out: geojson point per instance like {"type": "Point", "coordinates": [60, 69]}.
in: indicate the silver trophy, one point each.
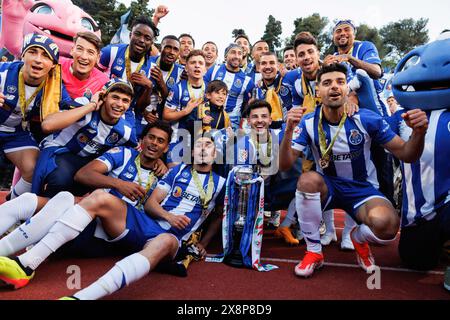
{"type": "Point", "coordinates": [243, 181]}
{"type": "Point", "coordinates": [243, 178]}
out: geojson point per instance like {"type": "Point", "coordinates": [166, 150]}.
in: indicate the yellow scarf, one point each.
{"type": "Point", "coordinates": [52, 93]}
{"type": "Point", "coordinates": [310, 101]}
{"type": "Point", "coordinates": [205, 109]}
{"type": "Point", "coordinates": [275, 102]}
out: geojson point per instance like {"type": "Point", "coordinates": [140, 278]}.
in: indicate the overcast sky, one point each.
{"type": "Point", "coordinates": [214, 20]}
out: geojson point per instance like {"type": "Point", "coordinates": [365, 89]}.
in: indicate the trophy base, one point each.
{"type": "Point", "coordinates": [235, 259]}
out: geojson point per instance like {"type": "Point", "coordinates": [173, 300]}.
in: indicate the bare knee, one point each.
{"type": "Point", "coordinates": [163, 246]}
{"type": "Point", "coordinates": [96, 201]}
{"type": "Point", "coordinates": [311, 182]}
{"type": "Point", "coordinates": [384, 223]}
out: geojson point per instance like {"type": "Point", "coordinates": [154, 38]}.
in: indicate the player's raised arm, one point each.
{"type": "Point", "coordinates": [288, 155]}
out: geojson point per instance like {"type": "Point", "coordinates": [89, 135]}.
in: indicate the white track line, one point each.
{"type": "Point", "coordinates": [353, 266]}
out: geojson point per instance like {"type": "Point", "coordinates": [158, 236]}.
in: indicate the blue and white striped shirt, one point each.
{"type": "Point", "coordinates": [121, 164]}
{"type": "Point", "coordinates": [351, 157]}
{"type": "Point", "coordinates": [91, 137]}
{"type": "Point", "coordinates": [426, 183]}
{"type": "Point", "coordinates": [240, 88]}
{"type": "Point", "coordinates": [183, 198]}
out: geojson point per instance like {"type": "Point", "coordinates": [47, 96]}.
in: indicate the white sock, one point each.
{"type": "Point", "coordinates": [328, 218]}
{"type": "Point", "coordinates": [38, 226]}
{"type": "Point", "coordinates": [19, 209]}
{"type": "Point", "coordinates": [309, 210]}
{"type": "Point", "coordinates": [363, 234]}
{"type": "Point", "coordinates": [124, 273]}
{"type": "Point", "coordinates": [349, 224]}
{"type": "Point", "coordinates": [289, 220]}
{"type": "Point", "coordinates": [20, 188]}
{"type": "Point", "coordinates": [67, 228]}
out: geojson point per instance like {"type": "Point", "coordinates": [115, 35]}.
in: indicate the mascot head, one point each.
{"type": "Point", "coordinates": [422, 78]}
{"type": "Point", "coordinates": [60, 20]}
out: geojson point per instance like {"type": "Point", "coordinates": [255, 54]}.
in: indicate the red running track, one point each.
{"type": "Point", "coordinates": [340, 279]}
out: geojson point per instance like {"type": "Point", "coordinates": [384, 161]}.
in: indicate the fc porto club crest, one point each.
{"type": "Point", "coordinates": [284, 91]}
{"type": "Point", "coordinates": [355, 137]}
{"type": "Point", "coordinates": [120, 62]}
{"type": "Point", "coordinates": [113, 138]}
{"type": "Point", "coordinates": [238, 83]}
{"type": "Point", "coordinates": [171, 82]}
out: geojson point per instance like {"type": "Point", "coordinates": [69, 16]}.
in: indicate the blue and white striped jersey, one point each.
{"type": "Point", "coordinates": [293, 81]}
{"type": "Point", "coordinates": [121, 164]}
{"type": "Point", "coordinates": [426, 183]}
{"type": "Point", "coordinates": [239, 85]}
{"type": "Point", "coordinates": [112, 59]}
{"type": "Point", "coordinates": [283, 93]}
{"type": "Point", "coordinates": [178, 99]}
{"type": "Point", "coordinates": [10, 113]}
{"type": "Point", "coordinates": [351, 157]}
{"type": "Point", "coordinates": [183, 198]}
{"type": "Point", "coordinates": [91, 137]}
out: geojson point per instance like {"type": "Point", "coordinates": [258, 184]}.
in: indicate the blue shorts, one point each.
{"type": "Point", "coordinates": [349, 195]}
{"type": "Point", "coordinates": [141, 229]}
{"type": "Point", "coordinates": [17, 141]}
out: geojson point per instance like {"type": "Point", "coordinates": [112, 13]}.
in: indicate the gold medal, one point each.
{"type": "Point", "coordinates": [25, 126]}
{"type": "Point", "coordinates": [23, 101]}
{"type": "Point", "coordinates": [324, 163]}
{"type": "Point", "coordinates": [324, 150]}
{"type": "Point", "coordinates": [205, 197]}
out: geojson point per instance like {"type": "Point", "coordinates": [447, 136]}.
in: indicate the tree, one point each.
{"type": "Point", "coordinates": [315, 24]}
{"type": "Point", "coordinates": [273, 33]}
{"type": "Point", "coordinates": [107, 14]}
{"type": "Point", "coordinates": [403, 36]}
{"type": "Point", "coordinates": [238, 32]}
{"type": "Point", "coordinates": [366, 33]}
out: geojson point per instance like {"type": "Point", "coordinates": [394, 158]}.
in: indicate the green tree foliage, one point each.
{"type": "Point", "coordinates": [402, 36]}
{"type": "Point", "coordinates": [273, 33]}
{"type": "Point", "coordinates": [367, 33]}
{"type": "Point", "coordinates": [107, 13]}
{"type": "Point", "coordinates": [316, 25]}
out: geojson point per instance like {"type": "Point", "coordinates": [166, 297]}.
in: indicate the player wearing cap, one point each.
{"type": "Point", "coordinates": [30, 90]}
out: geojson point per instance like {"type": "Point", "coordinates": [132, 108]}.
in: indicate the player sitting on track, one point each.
{"type": "Point", "coordinates": [187, 194]}
{"type": "Point", "coordinates": [346, 176]}
{"type": "Point", "coordinates": [125, 173]}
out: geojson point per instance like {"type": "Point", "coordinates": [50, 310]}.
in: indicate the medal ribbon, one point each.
{"type": "Point", "coordinates": [324, 150]}
{"type": "Point", "coordinates": [259, 149]}
{"type": "Point", "coordinates": [128, 63]}
{"type": "Point", "coordinates": [191, 91]}
{"type": "Point", "coordinates": [150, 180]}
{"type": "Point", "coordinates": [158, 63]}
{"type": "Point", "coordinates": [23, 102]}
{"type": "Point", "coordinates": [205, 197]}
